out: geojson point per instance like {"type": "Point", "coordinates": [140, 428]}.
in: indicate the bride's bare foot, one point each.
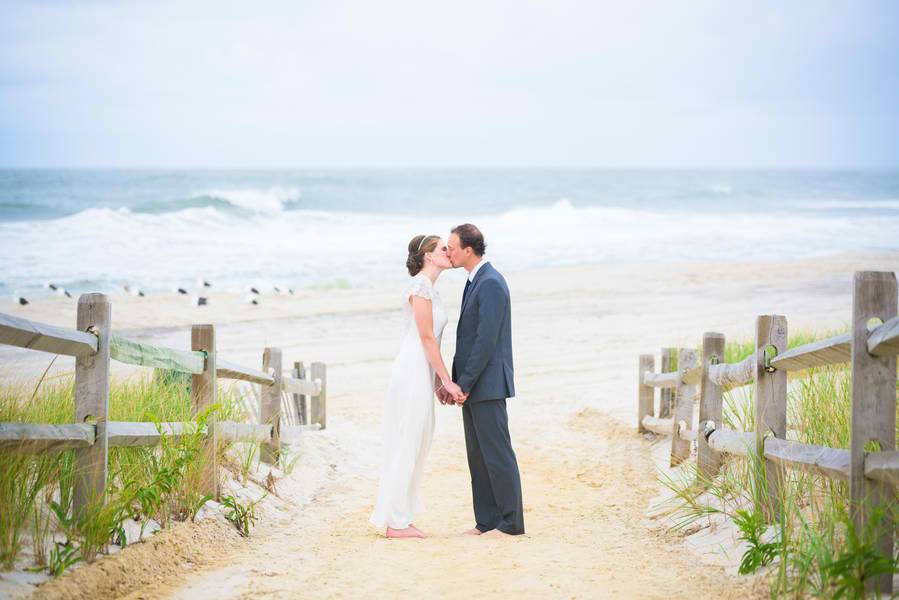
{"type": "Point", "coordinates": [496, 533]}
{"type": "Point", "coordinates": [412, 526]}
{"type": "Point", "coordinates": [408, 532]}
{"type": "Point", "coordinates": [473, 531]}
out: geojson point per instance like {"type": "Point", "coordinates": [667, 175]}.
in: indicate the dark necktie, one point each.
{"type": "Point", "coordinates": [465, 291]}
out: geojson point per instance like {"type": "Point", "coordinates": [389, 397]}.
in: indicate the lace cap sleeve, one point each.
{"type": "Point", "coordinates": [421, 287]}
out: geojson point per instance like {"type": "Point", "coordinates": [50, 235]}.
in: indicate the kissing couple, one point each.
{"type": "Point", "coordinates": [482, 380]}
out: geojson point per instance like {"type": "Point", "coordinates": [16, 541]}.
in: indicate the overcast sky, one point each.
{"type": "Point", "coordinates": [384, 83]}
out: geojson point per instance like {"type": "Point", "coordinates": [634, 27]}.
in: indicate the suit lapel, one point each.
{"type": "Point", "coordinates": [474, 286]}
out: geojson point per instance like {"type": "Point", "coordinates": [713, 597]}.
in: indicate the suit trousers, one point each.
{"type": "Point", "coordinates": [495, 480]}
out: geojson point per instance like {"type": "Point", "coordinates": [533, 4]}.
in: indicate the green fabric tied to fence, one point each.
{"type": "Point", "coordinates": [134, 353]}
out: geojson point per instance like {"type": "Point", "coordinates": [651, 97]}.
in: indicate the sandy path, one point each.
{"type": "Point", "coordinates": [586, 536]}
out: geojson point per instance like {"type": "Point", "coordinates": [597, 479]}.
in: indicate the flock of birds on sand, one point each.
{"type": "Point", "coordinates": [252, 297]}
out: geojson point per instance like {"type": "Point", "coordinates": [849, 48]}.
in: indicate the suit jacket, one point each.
{"type": "Point", "coordinates": [482, 366]}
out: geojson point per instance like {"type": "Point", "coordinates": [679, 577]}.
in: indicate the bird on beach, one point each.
{"type": "Point", "coordinates": [133, 291]}
{"type": "Point", "coordinates": [203, 283]}
{"type": "Point", "coordinates": [60, 291]}
{"type": "Point", "coordinates": [200, 301]}
{"type": "Point", "coordinates": [283, 289]}
{"type": "Point", "coordinates": [250, 299]}
{"type": "Point", "coordinates": [21, 301]}
{"type": "Point", "coordinates": [181, 291]}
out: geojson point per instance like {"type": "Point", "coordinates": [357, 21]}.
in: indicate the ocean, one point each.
{"type": "Point", "coordinates": [97, 230]}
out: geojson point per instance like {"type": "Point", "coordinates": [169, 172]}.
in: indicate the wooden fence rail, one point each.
{"type": "Point", "coordinates": [870, 348]}
{"type": "Point", "coordinates": [92, 434]}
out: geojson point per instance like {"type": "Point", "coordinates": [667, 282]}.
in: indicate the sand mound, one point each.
{"type": "Point", "coordinates": [182, 548]}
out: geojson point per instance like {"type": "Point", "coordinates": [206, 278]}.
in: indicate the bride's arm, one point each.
{"type": "Point", "coordinates": [424, 322]}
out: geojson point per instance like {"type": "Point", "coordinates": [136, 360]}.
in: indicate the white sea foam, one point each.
{"type": "Point", "coordinates": [271, 200]}
{"type": "Point", "coordinates": [721, 188]}
{"type": "Point", "coordinates": [101, 248]}
{"type": "Point", "coordinates": [851, 205]}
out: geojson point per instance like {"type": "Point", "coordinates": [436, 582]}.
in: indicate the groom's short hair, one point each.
{"type": "Point", "coordinates": [470, 237]}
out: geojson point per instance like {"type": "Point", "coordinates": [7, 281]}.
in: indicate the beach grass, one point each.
{"type": "Point", "coordinates": [161, 483]}
{"type": "Point", "coordinates": [813, 548]}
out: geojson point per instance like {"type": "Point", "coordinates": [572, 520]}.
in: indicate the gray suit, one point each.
{"type": "Point", "coordinates": [482, 367]}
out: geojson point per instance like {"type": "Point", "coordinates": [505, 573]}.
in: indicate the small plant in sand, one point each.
{"type": "Point", "coordinates": [242, 516]}
{"type": "Point", "coordinates": [249, 460]}
{"type": "Point", "coordinates": [96, 526]}
{"type": "Point", "coordinates": [858, 560]}
{"type": "Point", "coordinates": [752, 527]}
{"type": "Point", "coordinates": [289, 461]}
{"type": "Point", "coordinates": [157, 487]}
{"type": "Point", "coordinates": [40, 533]}
{"type": "Point", "coordinates": [62, 556]}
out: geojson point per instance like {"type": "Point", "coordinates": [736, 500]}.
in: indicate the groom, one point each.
{"type": "Point", "coordinates": [482, 367]}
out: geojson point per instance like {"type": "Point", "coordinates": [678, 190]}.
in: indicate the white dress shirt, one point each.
{"type": "Point", "coordinates": [474, 271]}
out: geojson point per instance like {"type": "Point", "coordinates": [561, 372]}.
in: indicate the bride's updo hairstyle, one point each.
{"type": "Point", "coordinates": [418, 247]}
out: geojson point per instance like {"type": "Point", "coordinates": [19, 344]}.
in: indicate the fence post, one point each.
{"type": "Point", "coordinates": [770, 395]}
{"type": "Point", "coordinates": [203, 388]}
{"type": "Point", "coordinates": [320, 403]}
{"type": "Point", "coordinates": [92, 401]}
{"type": "Point", "coordinates": [666, 394]}
{"type": "Point", "coordinates": [299, 400]}
{"type": "Point", "coordinates": [873, 412]}
{"type": "Point", "coordinates": [683, 406]}
{"type": "Point", "coordinates": [708, 460]}
{"type": "Point", "coordinates": [644, 392]}
{"type": "Point", "coordinates": [270, 410]}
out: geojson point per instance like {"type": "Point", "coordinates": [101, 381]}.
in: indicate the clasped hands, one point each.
{"type": "Point", "coordinates": [450, 393]}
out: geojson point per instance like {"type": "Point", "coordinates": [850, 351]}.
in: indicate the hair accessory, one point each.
{"type": "Point", "coordinates": [421, 243]}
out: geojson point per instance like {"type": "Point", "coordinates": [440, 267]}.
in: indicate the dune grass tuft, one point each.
{"type": "Point", "coordinates": [160, 483]}
{"type": "Point", "coordinates": [813, 549]}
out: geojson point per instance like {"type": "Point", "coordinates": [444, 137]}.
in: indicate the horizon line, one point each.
{"type": "Point", "coordinates": [884, 167]}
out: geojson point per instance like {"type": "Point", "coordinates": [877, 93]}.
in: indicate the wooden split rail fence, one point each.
{"type": "Point", "coordinates": [93, 345]}
{"type": "Point", "coordinates": [870, 465]}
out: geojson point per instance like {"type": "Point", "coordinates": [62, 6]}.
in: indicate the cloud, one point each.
{"type": "Point", "coordinates": [465, 83]}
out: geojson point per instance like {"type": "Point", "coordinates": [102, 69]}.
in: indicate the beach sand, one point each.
{"type": "Point", "coordinates": [589, 481]}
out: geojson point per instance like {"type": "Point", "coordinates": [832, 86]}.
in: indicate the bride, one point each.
{"type": "Point", "coordinates": [408, 425]}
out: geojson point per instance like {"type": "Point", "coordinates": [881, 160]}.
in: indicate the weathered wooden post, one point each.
{"type": "Point", "coordinates": [874, 296]}
{"type": "Point", "coordinates": [203, 389]}
{"type": "Point", "coordinates": [299, 400]}
{"type": "Point", "coordinates": [270, 410]}
{"type": "Point", "coordinates": [92, 401]}
{"type": "Point", "coordinates": [320, 403]}
{"type": "Point", "coordinates": [666, 394]}
{"type": "Point", "coordinates": [644, 392]}
{"type": "Point", "coordinates": [708, 460]}
{"type": "Point", "coordinates": [770, 394]}
{"type": "Point", "coordinates": [683, 406]}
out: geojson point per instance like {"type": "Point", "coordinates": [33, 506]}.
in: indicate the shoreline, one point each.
{"type": "Point", "coordinates": [141, 314]}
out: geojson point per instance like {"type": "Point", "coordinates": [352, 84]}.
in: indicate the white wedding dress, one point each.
{"type": "Point", "coordinates": [408, 422]}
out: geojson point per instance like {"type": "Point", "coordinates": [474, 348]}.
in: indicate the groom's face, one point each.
{"type": "Point", "coordinates": [454, 251]}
